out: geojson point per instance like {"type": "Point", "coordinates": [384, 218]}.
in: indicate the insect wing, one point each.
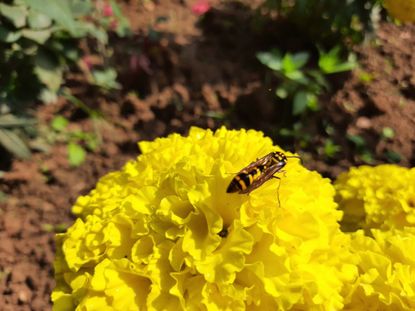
{"type": "Point", "coordinates": [265, 176]}
{"type": "Point", "coordinates": [238, 184]}
{"type": "Point", "coordinates": [260, 162]}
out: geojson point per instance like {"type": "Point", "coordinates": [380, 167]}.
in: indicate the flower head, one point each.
{"type": "Point", "coordinates": [403, 10]}
{"type": "Point", "coordinates": [387, 270]}
{"type": "Point", "coordinates": [201, 7]}
{"type": "Point", "coordinates": [163, 234]}
{"type": "Point", "coordinates": [107, 10]}
{"type": "Point", "coordinates": [377, 197]}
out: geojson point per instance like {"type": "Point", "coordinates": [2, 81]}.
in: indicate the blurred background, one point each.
{"type": "Point", "coordinates": [82, 81]}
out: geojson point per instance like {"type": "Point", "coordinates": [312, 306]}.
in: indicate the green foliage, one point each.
{"type": "Point", "coordinates": [361, 147]}
{"type": "Point", "coordinates": [392, 156]}
{"type": "Point", "coordinates": [12, 134]}
{"type": "Point", "coordinates": [365, 77]}
{"type": "Point", "coordinates": [388, 133]}
{"type": "Point", "coordinates": [327, 22]}
{"type": "Point", "coordinates": [59, 123]}
{"type": "Point", "coordinates": [299, 84]}
{"type": "Point", "coordinates": [39, 40]}
{"type": "Point", "coordinates": [330, 149]}
{"type": "Point", "coordinates": [78, 142]}
{"type": "Point", "coordinates": [58, 228]}
{"type": "Point", "coordinates": [76, 154]}
{"type": "Point", "coordinates": [106, 79]}
{"type": "Point", "coordinates": [331, 62]}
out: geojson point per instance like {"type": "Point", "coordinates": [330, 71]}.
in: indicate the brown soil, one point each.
{"type": "Point", "coordinates": [200, 73]}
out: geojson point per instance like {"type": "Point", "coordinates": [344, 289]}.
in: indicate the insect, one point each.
{"type": "Point", "coordinates": [258, 172]}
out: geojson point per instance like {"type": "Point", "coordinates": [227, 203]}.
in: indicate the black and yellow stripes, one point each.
{"type": "Point", "coordinates": [258, 172]}
{"type": "Point", "coordinates": [243, 180]}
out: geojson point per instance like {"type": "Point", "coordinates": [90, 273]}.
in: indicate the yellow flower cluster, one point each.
{"type": "Point", "coordinates": [403, 10]}
{"type": "Point", "coordinates": [380, 200]}
{"type": "Point", "coordinates": [163, 234]}
{"type": "Point", "coordinates": [387, 270]}
{"type": "Point", "coordinates": [377, 197]}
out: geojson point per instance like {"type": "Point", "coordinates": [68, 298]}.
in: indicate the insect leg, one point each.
{"type": "Point", "coordinates": [278, 189]}
{"type": "Point", "coordinates": [265, 176]}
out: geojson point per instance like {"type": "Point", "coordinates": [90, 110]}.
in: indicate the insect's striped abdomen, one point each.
{"type": "Point", "coordinates": [243, 180]}
{"type": "Point", "coordinates": [259, 172]}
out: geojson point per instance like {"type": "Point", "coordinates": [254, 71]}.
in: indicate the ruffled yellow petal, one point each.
{"type": "Point", "coordinates": [377, 197]}
{"type": "Point", "coordinates": [387, 271]}
{"type": "Point", "coordinates": [163, 234]}
{"type": "Point", "coordinates": [403, 10]}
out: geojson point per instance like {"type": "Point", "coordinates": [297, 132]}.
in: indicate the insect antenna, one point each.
{"type": "Point", "coordinates": [296, 157]}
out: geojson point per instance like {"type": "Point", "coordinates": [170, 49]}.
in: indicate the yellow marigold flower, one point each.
{"type": "Point", "coordinates": [403, 10]}
{"type": "Point", "coordinates": [163, 234]}
{"type": "Point", "coordinates": [377, 197]}
{"type": "Point", "coordinates": [387, 270]}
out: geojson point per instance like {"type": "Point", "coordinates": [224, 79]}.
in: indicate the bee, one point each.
{"type": "Point", "coordinates": [258, 172]}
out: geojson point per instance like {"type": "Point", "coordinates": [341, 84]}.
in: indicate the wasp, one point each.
{"type": "Point", "coordinates": [258, 172]}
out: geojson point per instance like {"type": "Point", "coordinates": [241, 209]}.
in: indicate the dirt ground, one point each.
{"type": "Point", "coordinates": [195, 72]}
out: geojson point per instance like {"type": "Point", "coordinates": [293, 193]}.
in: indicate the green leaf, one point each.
{"type": "Point", "coordinates": [367, 157]}
{"type": "Point", "coordinates": [272, 59]}
{"type": "Point", "coordinates": [330, 148]}
{"type": "Point", "coordinates": [297, 76]}
{"type": "Point", "coordinates": [80, 7]}
{"type": "Point", "coordinates": [39, 36]}
{"type": "Point", "coordinates": [393, 156]}
{"type": "Point", "coordinates": [14, 144]}
{"type": "Point", "coordinates": [281, 92]}
{"type": "Point", "coordinates": [357, 140]}
{"type": "Point", "coordinates": [330, 62]}
{"type": "Point", "coordinates": [98, 33]}
{"type": "Point", "coordinates": [9, 36]}
{"type": "Point", "coordinates": [106, 79]}
{"type": "Point", "coordinates": [59, 123]}
{"type": "Point", "coordinates": [388, 132]}
{"type": "Point", "coordinates": [76, 154]}
{"type": "Point", "coordinates": [9, 120]}
{"type": "Point", "coordinates": [57, 10]}
{"type": "Point", "coordinates": [123, 28]}
{"type": "Point", "coordinates": [312, 102]}
{"type": "Point", "coordinates": [319, 79]}
{"type": "Point", "coordinates": [48, 71]}
{"type": "Point", "coordinates": [293, 62]}
{"type": "Point", "coordinates": [300, 59]}
{"type": "Point", "coordinates": [38, 20]}
{"type": "Point", "coordinates": [300, 103]}
{"type": "Point", "coordinates": [365, 77]}
{"type": "Point", "coordinates": [288, 63]}
{"type": "Point", "coordinates": [47, 96]}
{"type": "Point", "coordinates": [16, 14]}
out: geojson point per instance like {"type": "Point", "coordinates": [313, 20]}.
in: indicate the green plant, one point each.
{"type": "Point", "coordinates": [361, 147]}
{"type": "Point", "coordinates": [39, 40]}
{"type": "Point", "coordinates": [388, 133]}
{"type": "Point", "coordinates": [333, 21]}
{"type": "Point", "coordinates": [331, 61]}
{"type": "Point", "coordinates": [78, 142]}
{"type": "Point", "coordinates": [393, 156]}
{"type": "Point", "coordinates": [299, 84]}
{"type": "Point", "coordinates": [105, 79]}
{"type": "Point", "coordinates": [330, 149]}
{"type": "Point", "coordinates": [365, 77]}
{"type": "Point", "coordinates": [13, 131]}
